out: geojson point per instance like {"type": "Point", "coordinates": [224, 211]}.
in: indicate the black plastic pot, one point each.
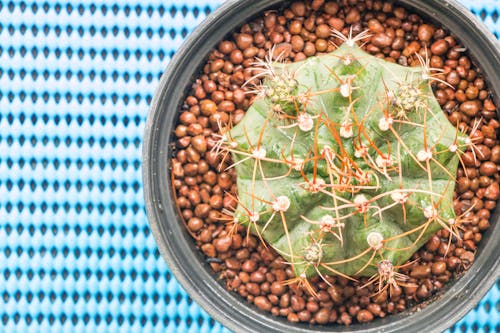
{"type": "Point", "coordinates": [177, 247]}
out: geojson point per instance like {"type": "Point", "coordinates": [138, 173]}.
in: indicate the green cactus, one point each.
{"type": "Point", "coordinates": [345, 163]}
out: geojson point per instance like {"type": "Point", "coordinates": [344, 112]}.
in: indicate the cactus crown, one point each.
{"type": "Point", "coordinates": [345, 163]}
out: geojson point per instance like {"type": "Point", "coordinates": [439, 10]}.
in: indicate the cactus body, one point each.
{"type": "Point", "coordinates": [344, 161]}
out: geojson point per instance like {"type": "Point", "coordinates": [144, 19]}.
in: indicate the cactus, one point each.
{"type": "Point", "coordinates": [345, 163]}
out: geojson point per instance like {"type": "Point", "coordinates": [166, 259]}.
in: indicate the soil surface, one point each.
{"type": "Point", "coordinates": [204, 191]}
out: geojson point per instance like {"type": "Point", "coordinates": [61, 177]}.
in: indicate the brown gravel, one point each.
{"type": "Point", "coordinates": [218, 96]}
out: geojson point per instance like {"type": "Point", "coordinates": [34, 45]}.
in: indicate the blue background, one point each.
{"type": "Point", "coordinates": [76, 252]}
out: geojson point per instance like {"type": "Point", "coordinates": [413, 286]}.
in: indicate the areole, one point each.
{"type": "Point", "coordinates": [187, 263]}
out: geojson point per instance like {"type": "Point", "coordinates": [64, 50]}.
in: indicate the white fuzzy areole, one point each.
{"type": "Point", "coordinates": [305, 122]}
{"type": "Point", "coordinates": [399, 197]}
{"type": "Point", "coordinates": [346, 130]}
{"type": "Point", "coordinates": [328, 152]}
{"type": "Point", "coordinates": [361, 151]}
{"type": "Point", "coordinates": [259, 153]}
{"type": "Point", "coordinates": [375, 239]}
{"type": "Point", "coordinates": [281, 204]}
{"type": "Point", "coordinates": [297, 164]}
{"type": "Point", "coordinates": [430, 212]}
{"type": "Point", "coordinates": [424, 155]}
{"type": "Point", "coordinates": [316, 185]}
{"type": "Point", "coordinates": [385, 123]}
{"type": "Point", "coordinates": [327, 220]}
{"type": "Point", "coordinates": [361, 202]}
{"type": "Point", "coordinates": [345, 89]}
{"type": "Point", "coordinates": [254, 217]}
{"type": "Point", "coordinates": [383, 162]}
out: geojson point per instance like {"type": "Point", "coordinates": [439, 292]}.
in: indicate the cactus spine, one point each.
{"type": "Point", "coordinates": [345, 163]}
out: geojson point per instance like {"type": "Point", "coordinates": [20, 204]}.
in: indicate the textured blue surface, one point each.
{"type": "Point", "coordinates": [76, 252]}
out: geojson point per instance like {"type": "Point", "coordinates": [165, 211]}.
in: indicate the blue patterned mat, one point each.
{"type": "Point", "coordinates": [76, 252]}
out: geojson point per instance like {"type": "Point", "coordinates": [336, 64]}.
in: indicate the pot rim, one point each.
{"type": "Point", "coordinates": [177, 247]}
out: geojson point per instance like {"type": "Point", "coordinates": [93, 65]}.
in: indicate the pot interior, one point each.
{"type": "Point", "coordinates": [188, 263]}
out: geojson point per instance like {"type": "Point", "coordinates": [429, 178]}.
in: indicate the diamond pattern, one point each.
{"type": "Point", "coordinates": [76, 252]}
